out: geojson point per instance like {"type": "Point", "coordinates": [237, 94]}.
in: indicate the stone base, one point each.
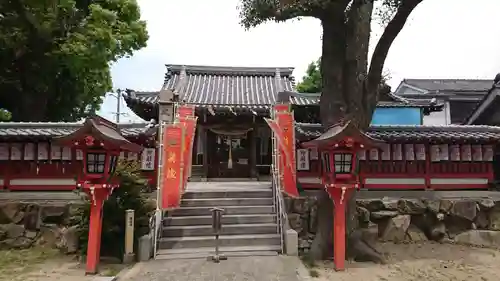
{"type": "Point", "coordinates": [464, 220]}
{"type": "Point", "coordinates": [128, 258]}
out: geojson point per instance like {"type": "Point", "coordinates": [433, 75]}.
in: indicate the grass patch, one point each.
{"type": "Point", "coordinates": [308, 261]}
{"type": "Point", "coordinates": [14, 262]}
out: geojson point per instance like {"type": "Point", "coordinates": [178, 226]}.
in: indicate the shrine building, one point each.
{"type": "Point", "coordinates": [232, 139]}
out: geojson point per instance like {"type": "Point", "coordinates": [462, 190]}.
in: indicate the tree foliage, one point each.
{"type": "Point", "coordinates": [311, 82]}
{"type": "Point", "coordinates": [5, 115]}
{"type": "Point", "coordinates": [55, 54]}
{"type": "Point", "coordinates": [128, 196]}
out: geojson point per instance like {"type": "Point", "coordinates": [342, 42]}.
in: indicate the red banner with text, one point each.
{"type": "Point", "coordinates": [185, 110]}
{"type": "Point", "coordinates": [172, 178]}
{"type": "Point", "coordinates": [286, 166]}
{"type": "Point", "coordinates": [189, 124]}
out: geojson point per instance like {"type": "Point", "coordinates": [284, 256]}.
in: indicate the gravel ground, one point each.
{"type": "Point", "coordinates": [429, 261]}
{"type": "Point", "coordinates": [275, 268]}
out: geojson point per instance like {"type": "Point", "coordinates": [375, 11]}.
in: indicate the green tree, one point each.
{"type": "Point", "coordinates": [129, 195]}
{"type": "Point", "coordinates": [4, 115]}
{"type": "Point", "coordinates": [311, 82]}
{"type": "Point", "coordinates": [349, 86]}
{"type": "Point", "coordinates": [55, 55]}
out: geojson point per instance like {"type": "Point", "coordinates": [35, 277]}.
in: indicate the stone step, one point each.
{"type": "Point", "coordinates": [224, 240]}
{"type": "Point", "coordinates": [207, 194]}
{"type": "Point", "coordinates": [203, 253]}
{"type": "Point", "coordinates": [226, 219]}
{"type": "Point", "coordinates": [230, 229]}
{"type": "Point", "coordinates": [228, 210]}
{"type": "Point", "coordinates": [220, 202]}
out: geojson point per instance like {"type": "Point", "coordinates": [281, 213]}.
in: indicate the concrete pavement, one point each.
{"type": "Point", "coordinates": [275, 268]}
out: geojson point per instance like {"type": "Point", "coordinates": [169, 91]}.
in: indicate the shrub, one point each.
{"type": "Point", "coordinates": [128, 196]}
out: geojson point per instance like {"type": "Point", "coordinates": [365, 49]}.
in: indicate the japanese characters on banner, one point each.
{"type": "Point", "coordinates": [55, 152]}
{"type": "Point", "coordinates": [488, 153]}
{"type": "Point", "coordinates": [29, 151]}
{"type": "Point", "coordinates": [171, 184]}
{"type": "Point", "coordinates": [66, 153]}
{"type": "Point", "coordinates": [386, 152]}
{"type": "Point", "coordinates": [148, 159]}
{"type": "Point", "coordinates": [420, 151]}
{"type": "Point", "coordinates": [466, 152]}
{"type": "Point", "coordinates": [362, 155]}
{"type": "Point", "coordinates": [189, 123]}
{"type": "Point", "coordinates": [409, 152]}
{"type": "Point", "coordinates": [435, 153]}
{"type": "Point", "coordinates": [477, 153]}
{"type": "Point", "coordinates": [397, 153]}
{"type": "Point", "coordinates": [4, 151]}
{"type": "Point", "coordinates": [286, 167]}
{"type": "Point", "coordinates": [286, 127]}
{"type": "Point", "coordinates": [455, 152]}
{"type": "Point", "coordinates": [43, 151]}
{"type": "Point", "coordinates": [313, 153]}
{"type": "Point", "coordinates": [303, 160]}
{"type": "Point", "coordinates": [374, 154]}
{"type": "Point", "coordinates": [16, 151]}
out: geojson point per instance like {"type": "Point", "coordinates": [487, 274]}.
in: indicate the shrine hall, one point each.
{"type": "Point", "coordinates": [233, 141]}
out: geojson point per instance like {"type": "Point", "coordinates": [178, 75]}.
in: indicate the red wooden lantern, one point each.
{"type": "Point", "coordinates": [338, 147]}
{"type": "Point", "coordinates": [101, 143]}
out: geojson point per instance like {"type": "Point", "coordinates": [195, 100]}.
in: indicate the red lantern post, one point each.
{"type": "Point", "coordinates": [338, 147]}
{"type": "Point", "coordinates": [101, 143]}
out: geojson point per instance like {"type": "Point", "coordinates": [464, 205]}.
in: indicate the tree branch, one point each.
{"type": "Point", "coordinates": [255, 12]}
{"type": "Point", "coordinates": [384, 44]}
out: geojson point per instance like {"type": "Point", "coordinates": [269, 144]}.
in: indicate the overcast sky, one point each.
{"type": "Point", "coordinates": [442, 39]}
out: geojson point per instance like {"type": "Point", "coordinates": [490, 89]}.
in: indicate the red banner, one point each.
{"type": "Point", "coordinates": [189, 124]}
{"type": "Point", "coordinates": [171, 186]}
{"type": "Point", "coordinates": [286, 123]}
{"type": "Point", "coordinates": [289, 184]}
{"type": "Point", "coordinates": [186, 110]}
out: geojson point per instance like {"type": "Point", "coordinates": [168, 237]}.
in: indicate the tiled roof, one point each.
{"type": "Point", "coordinates": [49, 130]}
{"type": "Point", "coordinates": [248, 87]}
{"type": "Point", "coordinates": [485, 104]}
{"type": "Point", "coordinates": [402, 133]}
{"type": "Point", "coordinates": [304, 99]}
{"type": "Point", "coordinates": [451, 85]}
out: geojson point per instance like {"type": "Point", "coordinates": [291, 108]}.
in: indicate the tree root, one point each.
{"type": "Point", "coordinates": [362, 251]}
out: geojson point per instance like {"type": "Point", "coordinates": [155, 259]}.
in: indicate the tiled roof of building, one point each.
{"type": "Point", "coordinates": [56, 129]}
{"type": "Point", "coordinates": [220, 86]}
{"type": "Point", "coordinates": [485, 105]}
{"type": "Point", "coordinates": [304, 99]}
{"type": "Point", "coordinates": [450, 85]}
{"type": "Point", "coordinates": [435, 134]}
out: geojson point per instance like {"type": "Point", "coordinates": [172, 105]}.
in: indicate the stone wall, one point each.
{"type": "Point", "coordinates": [23, 225]}
{"type": "Point", "coordinates": [472, 221]}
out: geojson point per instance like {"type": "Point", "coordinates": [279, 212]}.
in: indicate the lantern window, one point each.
{"type": "Point", "coordinates": [96, 163]}
{"type": "Point", "coordinates": [343, 163]}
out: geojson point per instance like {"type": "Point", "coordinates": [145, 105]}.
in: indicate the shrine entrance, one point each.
{"type": "Point", "coordinates": [229, 153]}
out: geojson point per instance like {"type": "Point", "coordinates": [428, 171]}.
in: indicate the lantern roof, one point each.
{"type": "Point", "coordinates": [103, 130]}
{"type": "Point", "coordinates": [342, 132]}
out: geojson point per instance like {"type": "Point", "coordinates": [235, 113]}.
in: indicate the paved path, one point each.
{"type": "Point", "coordinates": [276, 268]}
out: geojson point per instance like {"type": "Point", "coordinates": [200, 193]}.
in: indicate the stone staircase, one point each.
{"type": "Point", "coordinates": [249, 226]}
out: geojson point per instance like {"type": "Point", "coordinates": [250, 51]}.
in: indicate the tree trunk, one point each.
{"type": "Point", "coordinates": [344, 65]}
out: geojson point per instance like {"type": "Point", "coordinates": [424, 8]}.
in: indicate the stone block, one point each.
{"type": "Point", "coordinates": [486, 238]}
{"type": "Point", "coordinates": [291, 242]}
{"type": "Point", "coordinates": [144, 248]}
